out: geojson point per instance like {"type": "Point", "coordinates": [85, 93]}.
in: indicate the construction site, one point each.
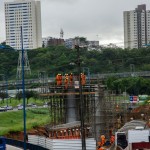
{"type": "Point", "coordinates": [83, 108]}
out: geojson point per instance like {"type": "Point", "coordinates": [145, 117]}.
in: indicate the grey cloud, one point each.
{"type": "Point", "coordinates": [83, 18]}
{"type": "Point", "coordinates": [60, 1]}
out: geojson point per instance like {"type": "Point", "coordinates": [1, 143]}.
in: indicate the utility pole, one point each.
{"type": "Point", "coordinates": [81, 99]}
{"type": "Point", "coordinates": [132, 69]}
{"type": "Point", "coordinates": [23, 90]}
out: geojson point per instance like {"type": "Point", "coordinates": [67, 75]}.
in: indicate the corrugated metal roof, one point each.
{"type": "Point", "coordinates": [132, 125]}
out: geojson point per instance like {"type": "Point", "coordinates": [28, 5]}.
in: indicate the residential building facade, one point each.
{"type": "Point", "coordinates": [137, 27]}
{"type": "Point", "coordinates": [55, 42]}
{"type": "Point", "coordinates": [25, 14]}
{"type": "Point", "coordinates": [70, 43]}
{"type": "Point", "coordinates": [50, 41]}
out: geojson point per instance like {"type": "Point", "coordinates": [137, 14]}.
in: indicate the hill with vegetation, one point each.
{"type": "Point", "coordinates": [58, 59]}
{"type": "Point", "coordinates": [35, 118]}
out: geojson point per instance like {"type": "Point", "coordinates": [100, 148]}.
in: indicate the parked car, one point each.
{"type": "Point", "coordinates": [45, 105]}
{"type": "Point", "coordinates": [29, 105]}
{"type": "Point", "coordinates": [2, 143]}
{"type": "Point", "coordinates": [20, 107]}
{"type": "Point", "coordinates": [2, 109]}
{"type": "Point", "coordinates": [9, 108]}
{"type": "Point", "coordinates": [34, 105]}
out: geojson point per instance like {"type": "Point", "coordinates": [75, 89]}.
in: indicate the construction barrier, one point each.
{"type": "Point", "coordinates": [61, 144]}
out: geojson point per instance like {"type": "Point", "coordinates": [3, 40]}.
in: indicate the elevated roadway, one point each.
{"type": "Point", "coordinates": [92, 77]}
{"type": "Point", "coordinates": [124, 74]}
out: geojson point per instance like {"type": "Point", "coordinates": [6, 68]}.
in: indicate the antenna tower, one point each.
{"type": "Point", "coordinates": [26, 64]}
{"type": "Point", "coordinates": [61, 33]}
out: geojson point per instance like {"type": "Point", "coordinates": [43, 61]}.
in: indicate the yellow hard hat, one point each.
{"type": "Point", "coordinates": [102, 136]}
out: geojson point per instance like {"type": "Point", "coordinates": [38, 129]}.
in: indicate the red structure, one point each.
{"type": "Point", "coordinates": [55, 42]}
{"type": "Point", "coordinates": [68, 131]}
{"type": "Point", "coordinates": [141, 145]}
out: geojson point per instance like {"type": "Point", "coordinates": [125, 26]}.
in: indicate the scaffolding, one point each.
{"type": "Point", "coordinates": [110, 112]}
{"type": "Point", "coordinates": [105, 111]}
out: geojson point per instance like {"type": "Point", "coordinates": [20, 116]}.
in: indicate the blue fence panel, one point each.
{"type": "Point", "coordinates": [20, 144]}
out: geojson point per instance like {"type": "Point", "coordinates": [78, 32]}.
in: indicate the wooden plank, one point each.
{"type": "Point", "coordinates": [70, 93]}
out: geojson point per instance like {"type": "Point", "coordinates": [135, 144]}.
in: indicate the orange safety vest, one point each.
{"type": "Point", "coordinates": [57, 79]}
{"type": "Point", "coordinates": [83, 79]}
{"type": "Point", "coordinates": [71, 79]}
{"type": "Point", "coordinates": [103, 140]}
{"type": "Point", "coordinates": [112, 139]}
{"type": "Point", "coordinates": [60, 79]}
{"type": "Point", "coordinates": [66, 82]}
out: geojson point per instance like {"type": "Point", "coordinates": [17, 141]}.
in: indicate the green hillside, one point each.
{"type": "Point", "coordinates": [58, 59]}
{"type": "Point", "coordinates": [14, 123]}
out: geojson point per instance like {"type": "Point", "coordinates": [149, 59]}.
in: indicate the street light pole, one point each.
{"type": "Point", "coordinates": [81, 99]}
{"type": "Point", "coordinates": [23, 91]}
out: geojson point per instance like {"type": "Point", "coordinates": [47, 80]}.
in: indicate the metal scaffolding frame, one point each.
{"type": "Point", "coordinates": [105, 111]}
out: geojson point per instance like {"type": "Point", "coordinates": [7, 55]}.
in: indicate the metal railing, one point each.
{"type": "Point", "coordinates": [92, 77]}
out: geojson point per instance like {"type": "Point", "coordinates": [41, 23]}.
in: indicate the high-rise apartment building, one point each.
{"type": "Point", "coordinates": [25, 13]}
{"type": "Point", "coordinates": [137, 27]}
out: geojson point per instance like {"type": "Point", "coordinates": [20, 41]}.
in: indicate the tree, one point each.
{"type": "Point", "coordinates": [28, 95]}
{"type": "Point", "coordinates": [133, 86]}
{"type": "Point", "coordinates": [19, 95]}
{"type": "Point", "coordinates": [3, 43]}
{"type": "Point", "coordinates": [3, 95]}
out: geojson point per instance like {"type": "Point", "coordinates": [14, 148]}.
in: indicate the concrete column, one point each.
{"type": "Point", "coordinates": [71, 107]}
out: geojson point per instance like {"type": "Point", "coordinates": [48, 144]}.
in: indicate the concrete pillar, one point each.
{"type": "Point", "coordinates": [71, 107]}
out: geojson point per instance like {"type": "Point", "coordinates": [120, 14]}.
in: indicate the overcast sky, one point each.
{"type": "Point", "coordinates": [95, 19]}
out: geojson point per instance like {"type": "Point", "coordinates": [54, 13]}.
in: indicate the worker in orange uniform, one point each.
{"type": "Point", "coordinates": [83, 79]}
{"type": "Point", "coordinates": [112, 139]}
{"type": "Point", "coordinates": [71, 79]}
{"type": "Point", "coordinates": [101, 148]}
{"type": "Point", "coordinates": [66, 81]}
{"type": "Point", "coordinates": [103, 140]}
{"type": "Point", "coordinates": [57, 79]}
{"type": "Point", "coordinates": [60, 79]}
{"type": "Point", "coordinates": [98, 145]}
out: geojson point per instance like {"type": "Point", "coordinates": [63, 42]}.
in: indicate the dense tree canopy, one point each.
{"type": "Point", "coordinates": [58, 59]}
{"type": "Point", "coordinates": [132, 85]}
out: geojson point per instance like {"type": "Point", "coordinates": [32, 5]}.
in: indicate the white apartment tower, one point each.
{"type": "Point", "coordinates": [25, 13]}
{"type": "Point", "coordinates": [137, 27]}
